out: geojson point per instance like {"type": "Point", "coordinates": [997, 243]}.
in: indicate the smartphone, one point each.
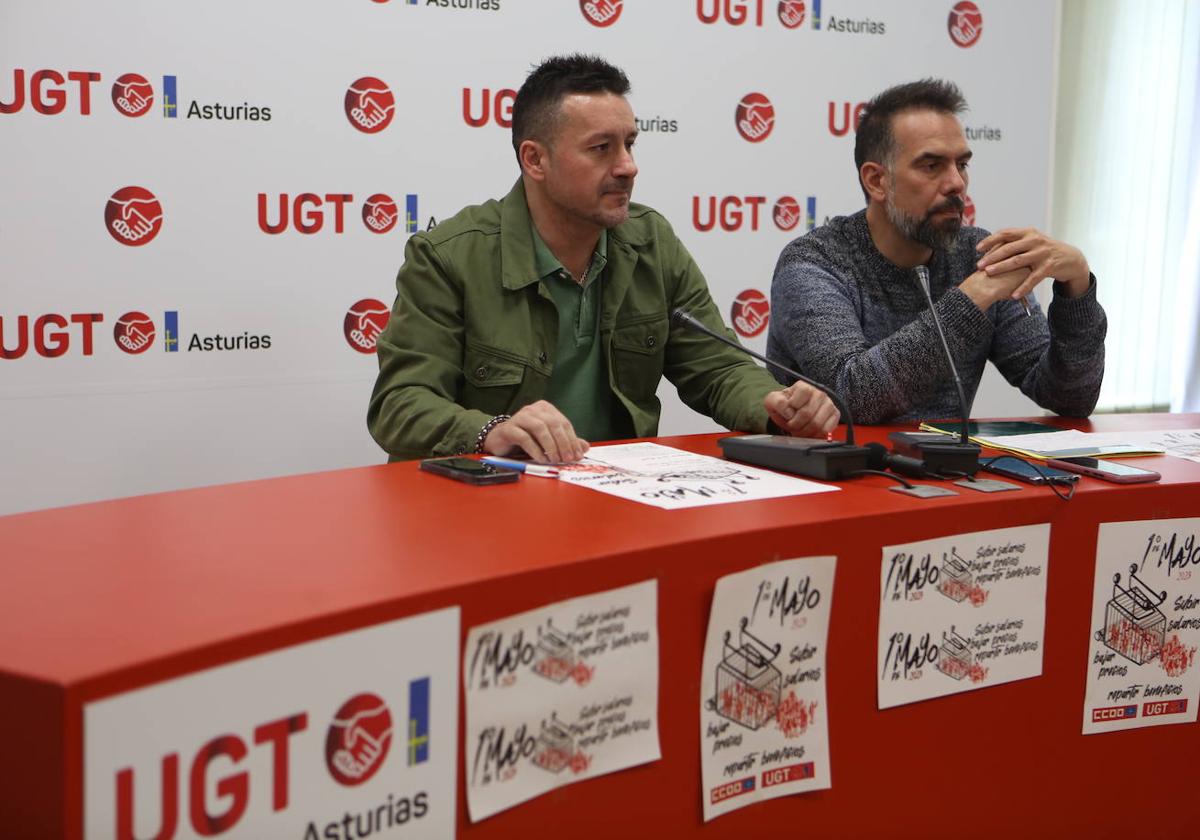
{"type": "Point", "coordinates": [1025, 471]}
{"type": "Point", "coordinates": [1107, 470]}
{"type": "Point", "coordinates": [469, 470]}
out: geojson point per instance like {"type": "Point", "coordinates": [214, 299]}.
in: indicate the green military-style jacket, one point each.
{"type": "Point", "coordinates": [473, 332]}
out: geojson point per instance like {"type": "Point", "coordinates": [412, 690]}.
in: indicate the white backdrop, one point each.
{"type": "Point", "coordinates": [245, 364]}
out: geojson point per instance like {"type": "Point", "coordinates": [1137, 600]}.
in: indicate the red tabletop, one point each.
{"type": "Point", "coordinates": [102, 598]}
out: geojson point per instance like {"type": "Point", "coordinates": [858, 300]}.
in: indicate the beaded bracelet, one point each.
{"type": "Point", "coordinates": [487, 428]}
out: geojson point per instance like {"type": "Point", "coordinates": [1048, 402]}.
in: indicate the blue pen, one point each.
{"type": "Point", "coordinates": [540, 470]}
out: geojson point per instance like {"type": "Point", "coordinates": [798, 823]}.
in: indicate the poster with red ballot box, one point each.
{"type": "Point", "coordinates": [560, 694]}
{"type": "Point", "coordinates": [1145, 626]}
{"type": "Point", "coordinates": [763, 718]}
{"type": "Point", "coordinates": [961, 612]}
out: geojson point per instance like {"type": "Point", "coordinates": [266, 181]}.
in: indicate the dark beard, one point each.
{"type": "Point", "coordinates": [940, 236]}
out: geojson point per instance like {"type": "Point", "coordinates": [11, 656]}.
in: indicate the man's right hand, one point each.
{"type": "Point", "coordinates": [539, 430]}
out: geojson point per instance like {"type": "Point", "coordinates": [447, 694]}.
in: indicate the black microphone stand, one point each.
{"type": "Point", "coordinates": [939, 456]}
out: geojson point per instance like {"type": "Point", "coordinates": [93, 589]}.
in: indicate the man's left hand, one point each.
{"type": "Point", "coordinates": [1013, 248]}
{"type": "Point", "coordinates": [802, 410]}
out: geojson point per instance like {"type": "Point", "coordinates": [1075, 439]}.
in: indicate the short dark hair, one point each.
{"type": "Point", "coordinates": [875, 140]}
{"type": "Point", "coordinates": [536, 112]}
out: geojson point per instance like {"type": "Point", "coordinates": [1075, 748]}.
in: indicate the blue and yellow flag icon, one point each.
{"type": "Point", "coordinates": [418, 721]}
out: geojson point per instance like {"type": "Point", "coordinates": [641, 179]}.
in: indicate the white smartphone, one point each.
{"type": "Point", "coordinates": [1113, 471]}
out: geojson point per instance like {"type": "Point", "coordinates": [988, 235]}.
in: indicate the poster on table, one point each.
{"type": "Point", "coordinates": [560, 694]}
{"type": "Point", "coordinates": [1145, 626]}
{"type": "Point", "coordinates": [763, 717]}
{"type": "Point", "coordinates": [353, 734]}
{"type": "Point", "coordinates": [671, 478]}
{"type": "Point", "coordinates": [962, 612]}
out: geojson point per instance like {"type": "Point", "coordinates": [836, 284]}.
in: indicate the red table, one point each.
{"type": "Point", "coordinates": [225, 572]}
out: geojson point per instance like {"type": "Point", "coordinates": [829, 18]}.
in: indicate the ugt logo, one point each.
{"type": "Point", "coordinates": [755, 117]}
{"type": "Point", "coordinates": [968, 211]}
{"type": "Point", "coordinates": [369, 105]}
{"type": "Point", "coordinates": [133, 216]}
{"type": "Point", "coordinates": [750, 313]}
{"type": "Point", "coordinates": [601, 12]}
{"type": "Point", "coordinates": [786, 213]}
{"type": "Point", "coordinates": [363, 323]}
{"type": "Point", "coordinates": [360, 734]}
{"type": "Point", "coordinates": [358, 739]}
{"type": "Point", "coordinates": [134, 332]}
{"type": "Point", "coordinates": [132, 95]}
{"type": "Point", "coordinates": [791, 13]}
{"type": "Point", "coordinates": [380, 213]}
{"type": "Point", "coordinates": [965, 23]}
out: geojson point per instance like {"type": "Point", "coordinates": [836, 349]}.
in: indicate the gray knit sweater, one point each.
{"type": "Point", "coordinates": [844, 315]}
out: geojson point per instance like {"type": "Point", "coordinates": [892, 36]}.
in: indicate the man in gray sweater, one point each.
{"type": "Point", "coordinates": [847, 307]}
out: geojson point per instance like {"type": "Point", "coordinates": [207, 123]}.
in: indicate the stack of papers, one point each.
{"type": "Point", "coordinates": [1182, 443]}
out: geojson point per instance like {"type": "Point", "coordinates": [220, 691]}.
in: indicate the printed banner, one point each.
{"type": "Point", "coordinates": [196, 239]}
{"type": "Point", "coordinates": [672, 478]}
{"type": "Point", "coordinates": [560, 694]}
{"type": "Point", "coordinates": [1145, 626]}
{"type": "Point", "coordinates": [763, 722]}
{"type": "Point", "coordinates": [960, 613]}
{"type": "Point", "coordinates": [351, 735]}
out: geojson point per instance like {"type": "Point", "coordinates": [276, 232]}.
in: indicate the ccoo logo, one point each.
{"type": "Point", "coordinates": [363, 323]}
{"type": "Point", "coordinates": [358, 739]}
{"type": "Point", "coordinates": [369, 105]}
{"type": "Point", "coordinates": [965, 23]}
{"type": "Point", "coordinates": [968, 210]}
{"type": "Point", "coordinates": [601, 12]}
{"type": "Point", "coordinates": [379, 213]}
{"type": "Point", "coordinates": [755, 117]}
{"type": "Point", "coordinates": [132, 95]}
{"type": "Point", "coordinates": [133, 216]}
{"type": "Point", "coordinates": [791, 13]}
{"type": "Point", "coordinates": [134, 332]}
{"type": "Point", "coordinates": [750, 312]}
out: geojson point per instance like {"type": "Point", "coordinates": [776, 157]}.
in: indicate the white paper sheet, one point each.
{"type": "Point", "coordinates": [560, 694]}
{"type": "Point", "coordinates": [763, 718]}
{"type": "Point", "coordinates": [1145, 626]}
{"type": "Point", "coordinates": [1182, 443]}
{"type": "Point", "coordinates": [962, 612]}
{"type": "Point", "coordinates": [672, 478]}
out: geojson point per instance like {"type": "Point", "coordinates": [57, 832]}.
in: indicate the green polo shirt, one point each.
{"type": "Point", "coordinates": [578, 385]}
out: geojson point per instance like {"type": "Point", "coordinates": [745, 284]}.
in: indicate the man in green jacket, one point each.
{"type": "Point", "coordinates": [541, 321]}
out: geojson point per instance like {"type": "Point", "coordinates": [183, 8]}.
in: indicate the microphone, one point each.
{"type": "Point", "coordinates": [812, 457]}
{"type": "Point", "coordinates": [940, 455]}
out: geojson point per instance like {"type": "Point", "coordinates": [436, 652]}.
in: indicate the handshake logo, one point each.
{"type": "Point", "coordinates": [750, 313]}
{"type": "Point", "coordinates": [601, 12]}
{"type": "Point", "coordinates": [370, 105]}
{"type": "Point", "coordinates": [379, 213]}
{"type": "Point", "coordinates": [134, 332]}
{"type": "Point", "coordinates": [755, 117]}
{"type": "Point", "coordinates": [358, 739]}
{"type": "Point", "coordinates": [965, 24]}
{"type": "Point", "coordinates": [133, 216]}
{"type": "Point", "coordinates": [791, 13]}
{"type": "Point", "coordinates": [132, 95]}
{"type": "Point", "coordinates": [363, 323]}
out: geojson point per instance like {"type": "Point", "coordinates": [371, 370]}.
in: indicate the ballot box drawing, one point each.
{"type": "Point", "coordinates": [749, 686]}
{"type": "Point", "coordinates": [555, 656]}
{"type": "Point", "coordinates": [954, 657]}
{"type": "Point", "coordinates": [956, 578]}
{"type": "Point", "coordinates": [555, 746]}
{"type": "Point", "coordinates": [1134, 626]}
